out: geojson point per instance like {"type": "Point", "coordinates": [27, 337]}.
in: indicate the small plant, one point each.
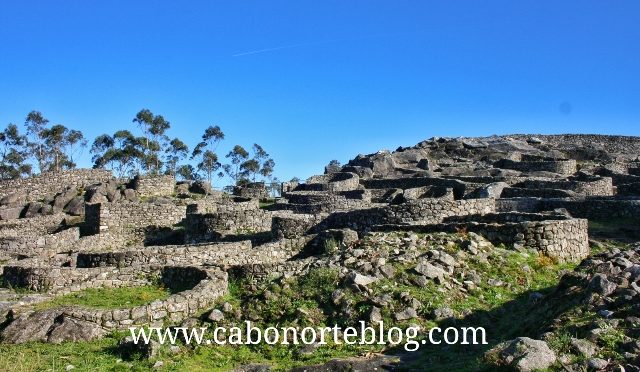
{"type": "Point", "coordinates": [330, 246]}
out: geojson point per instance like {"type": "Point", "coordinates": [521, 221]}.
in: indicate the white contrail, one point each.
{"type": "Point", "coordinates": [266, 50]}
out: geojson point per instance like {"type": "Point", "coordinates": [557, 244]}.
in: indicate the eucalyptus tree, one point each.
{"type": "Point", "coordinates": [121, 152]}
{"type": "Point", "coordinates": [35, 124]}
{"type": "Point", "coordinates": [153, 128]}
{"type": "Point", "coordinates": [13, 155]}
{"type": "Point", "coordinates": [237, 156]}
{"type": "Point", "coordinates": [175, 151]}
{"type": "Point", "coordinates": [61, 144]}
{"type": "Point", "coordinates": [205, 152]}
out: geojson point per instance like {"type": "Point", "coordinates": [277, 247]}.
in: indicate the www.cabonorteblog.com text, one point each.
{"type": "Point", "coordinates": [360, 335]}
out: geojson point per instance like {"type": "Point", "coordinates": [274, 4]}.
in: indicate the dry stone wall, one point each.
{"type": "Point", "coordinates": [131, 218]}
{"type": "Point", "coordinates": [566, 167]}
{"type": "Point", "coordinates": [49, 183]}
{"type": "Point", "coordinates": [154, 185]}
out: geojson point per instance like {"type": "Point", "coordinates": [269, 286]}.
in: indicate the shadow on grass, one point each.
{"type": "Point", "coordinates": [521, 317]}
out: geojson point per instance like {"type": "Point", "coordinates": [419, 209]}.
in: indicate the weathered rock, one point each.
{"type": "Point", "coordinates": [523, 354]}
{"type": "Point", "coordinates": [50, 326]}
{"type": "Point", "coordinates": [130, 194]}
{"type": "Point", "coordinates": [407, 313]}
{"type": "Point", "coordinates": [430, 271]}
{"type": "Point", "coordinates": [361, 280]}
{"type": "Point", "coordinates": [200, 187]}
{"type": "Point", "coordinates": [215, 316]}
{"type": "Point", "coordinates": [74, 330]}
{"type": "Point", "coordinates": [10, 213]}
{"type": "Point", "coordinates": [492, 190]}
{"type": "Point", "coordinates": [75, 207]}
{"type": "Point", "coordinates": [14, 199]}
{"type": "Point", "coordinates": [63, 198]}
{"type": "Point", "coordinates": [253, 368]}
{"type": "Point", "coordinates": [442, 313]}
{"type": "Point", "coordinates": [375, 363]}
{"type": "Point", "coordinates": [583, 347]}
{"type": "Point", "coordinates": [127, 347]}
{"type": "Point", "coordinates": [597, 364]}
{"type": "Point", "coordinates": [375, 315]}
{"type": "Point", "coordinates": [32, 209]}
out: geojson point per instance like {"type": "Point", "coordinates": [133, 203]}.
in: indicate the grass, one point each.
{"type": "Point", "coordinates": [109, 298]}
{"type": "Point", "coordinates": [505, 312]}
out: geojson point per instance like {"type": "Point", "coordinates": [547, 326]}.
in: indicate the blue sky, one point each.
{"type": "Point", "coordinates": [313, 81]}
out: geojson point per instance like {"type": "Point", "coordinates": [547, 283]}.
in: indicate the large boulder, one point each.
{"type": "Point", "coordinates": [73, 330]}
{"type": "Point", "coordinates": [491, 190]}
{"type": "Point", "coordinates": [14, 199]}
{"type": "Point", "coordinates": [522, 354]}
{"type": "Point", "coordinates": [130, 195]}
{"type": "Point", "coordinates": [75, 206]}
{"type": "Point", "coordinates": [381, 163]}
{"type": "Point", "coordinates": [10, 213]}
{"type": "Point", "coordinates": [200, 187]}
{"type": "Point", "coordinates": [63, 198]}
{"type": "Point", "coordinates": [50, 326]}
{"type": "Point", "coordinates": [32, 209]}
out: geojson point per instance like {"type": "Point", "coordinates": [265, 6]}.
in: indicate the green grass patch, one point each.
{"type": "Point", "coordinates": [109, 298]}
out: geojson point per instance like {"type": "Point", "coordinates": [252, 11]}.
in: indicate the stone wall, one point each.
{"type": "Point", "coordinates": [154, 185]}
{"type": "Point", "coordinates": [210, 226]}
{"type": "Point", "coordinates": [49, 183]}
{"type": "Point", "coordinates": [208, 286]}
{"type": "Point", "coordinates": [163, 255]}
{"type": "Point", "coordinates": [224, 204]}
{"type": "Point", "coordinates": [219, 254]}
{"type": "Point", "coordinates": [295, 225]}
{"type": "Point", "coordinates": [566, 167]}
{"type": "Point", "coordinates": [459, 187]}
{"type": "Point", "coordinates": [587, 207]}
{"type": "Point", "coordinates": [564, 239]}
{"type": "Point", "coordinates": [40, 225]}
{"type": "Point", "coordinates": [334, 182]}
{"type": "Point", "coordinates": [131, 218]}
{"type": "Point", "coordinates": [415, 211]}
{"type": "Point", "coordinates": [595, 186]}
{"type": "Point", "coordinates": [520, 192]}
{"type": "Point", "coordinates": [39, 245]}
{"type": "Point", "coordinates": [320, 201]}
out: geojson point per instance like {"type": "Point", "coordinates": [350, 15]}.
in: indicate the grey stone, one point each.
{"type": "Point", "coordinates": [361, 280]}
{"type": "Point", "coordinates": [50, 326]}
{"type": "Point", "coordinates": [601, 285]}
{"type": "Point", "coordinates": [407, 313]}
{"type": "Point", "coordinates": [200, 187]}
{"type": "Point", "coordinates": [63, 198]}
{"type": "Point", "coordinates": [524, 354]}
{"type": "Point", "coordinates": [130, 194]}
{"type": "Point", "coordinates": [216, 316]}
{"type": "Point", "coordinates": [375, 315]}
{"type": "Point", "coordinates": [75, 207]}
{"type": "Point", "coordinates": [32, 209]}
{"type": "Point", "coordinates": [10, 213]}
{"type": "Point", "coordinates": [14, 199]}
{"type": "Point", "coordinates": [442, 313]}
{"type": "Point", "coordinates": [429, 270]}
{"type": "Point", "coordinates": [584, 347]}
{"type": "Point", "coordinates": [597, 364]}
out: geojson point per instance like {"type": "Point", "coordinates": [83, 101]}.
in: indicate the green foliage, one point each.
{"type": "Point", "coordinates": [109, 298]}
{"type": "Point", "coordinates": [13, 154]}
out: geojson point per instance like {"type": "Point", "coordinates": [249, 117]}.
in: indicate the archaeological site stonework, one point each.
{"type": "Point", "coordinates": [64, 232]}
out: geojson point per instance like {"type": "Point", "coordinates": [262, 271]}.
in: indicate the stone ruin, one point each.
{"type": "Point", "coordinates": [64, 232]}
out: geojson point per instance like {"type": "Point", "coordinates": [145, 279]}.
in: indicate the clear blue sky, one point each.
{"type": "Point", "coordinates": [316, 80]}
